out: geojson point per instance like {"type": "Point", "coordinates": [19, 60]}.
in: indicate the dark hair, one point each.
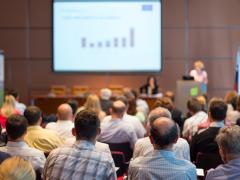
{"type": "Point", "coordinates": [74, 105]}
{"type": "Point", "coordinates": [218, 109]}
{"type": "Point", "coordinates": [154, 79]}
{"type": "Point", "coordinates": [123, 99]}
{"type": "Point", "coordinates": [194, 105]}
{"type": "Point", "coordinates": [86, 124]}
{"type": "Point", "coordinates": [14, 93]}
{"type": "Point", "coordinates": [163, 139]}
{"type": "Point", "coordinates": [16, 126]}
{"type": "Point", "coordinates": [32, 113]}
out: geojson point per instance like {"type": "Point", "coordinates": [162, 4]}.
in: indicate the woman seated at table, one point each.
{"type": "Point", "coordinates": [151, 87]}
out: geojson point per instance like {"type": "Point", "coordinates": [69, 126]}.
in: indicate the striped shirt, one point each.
{"type": "Point", "coordinates": [80, 161]}
{"type": "Point", "coordinates": [161, 164]}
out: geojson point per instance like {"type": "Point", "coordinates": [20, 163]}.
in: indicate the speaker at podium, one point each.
{"type": "Point", "coordinates": [186, 89]}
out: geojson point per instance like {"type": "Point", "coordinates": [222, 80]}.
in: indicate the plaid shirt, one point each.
{"type": "Point", "coordinates": [80, 161]}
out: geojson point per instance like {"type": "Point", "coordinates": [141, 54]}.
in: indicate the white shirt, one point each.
{"type": "Point", "coordinates": [144, 147]}
{"type": "Point", "coordinates": [200, 76]}
{"type": "Point", "coordinates": [20, 107]}
{"type": "Point", "coordinates": [34, 156]}
{"type": "Point", "coordinates": [103, 147]}
{"type": "Point", "coordinates": [62, 127]}
{"type": "Point", "coordinates": [117, 131]}
{"type": "Point", "coordinates": [190, 126]}
{"type": "Point", "coordinates": [132, 121]}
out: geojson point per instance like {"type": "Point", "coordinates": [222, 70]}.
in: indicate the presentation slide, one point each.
{"type": "Point", "coordinates": [106, 36]}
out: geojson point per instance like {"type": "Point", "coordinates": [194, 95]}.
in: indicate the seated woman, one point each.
{"type": "Point", "coordinates": [151, 87]}
{"type": "Point", "coordinates": [7, 109]}
{"type": "Point", "coordinates": [93, 103]}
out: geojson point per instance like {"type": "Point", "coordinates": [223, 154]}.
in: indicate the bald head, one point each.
{"type": "Point", "coordinates": [118, 108]}
{"type": "Point", "coordinates": [64, 112]}
{"type": "Point", "coordinates": [164, 133]}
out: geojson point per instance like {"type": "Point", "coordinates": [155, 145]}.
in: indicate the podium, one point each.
{"type": "Point", "coordinates": [186, 89]}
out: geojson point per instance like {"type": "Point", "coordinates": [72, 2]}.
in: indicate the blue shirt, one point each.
{"type": "Point", "coordinates": [229, 171]}
{"type": "Point", "coordinates": [161, 164]}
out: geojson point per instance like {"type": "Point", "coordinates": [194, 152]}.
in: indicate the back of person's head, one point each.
{"type": "Point", "coordinates": [86, 125]}
{"type": "Point", "coordinates": [170, 94]}
{"type": "Point", "coordinates": [194, 105]}
{"type": "Point", "coordinates": [229, 96]}
{"type": "Point", "coordinates": [164, 132]}
{"type": "Point", "coordinates": [8, 107]}
{"type": "Point", "coordinates": [14, 93]}
{"type": "Point", "coordinates": [157, 113]}
{"type": "Point", "coordinates": [123, 99]}
{"type": "Point", "coordinates": [105, 93]}
{"type": "Point", "coordinates": [64, 112]}
{"type": "Point", "coordinates": [228, 139]}
{"type": "Point", "coordinates": [217, 109]}
{"type": "Point", "coordinates": [202, 100]}
{"type": "Point", "coordinates": [93, 103]}
{"type": "Point", "coordinates": [118, 108]}
{"type": "Point", "coordinates": [74, 105]}
{"type": "Point", "coordinates": [16, 168]}
{"type": "Point", "coordinates": [32, 114]}
{"type": "Point", "coordinates": [164, 102]}
{"type": "Point", "coordinates": [16, 126]}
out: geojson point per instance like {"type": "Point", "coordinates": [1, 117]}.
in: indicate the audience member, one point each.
{"type": "Point", "coordinates": [8, 108]}
{"type": "Point", "coordinates": [19, 106]}
{"type": "Point", "coordinates": [63, 126]}
{"type": "Point", "coordinates": [16, 168]}
{"type": "Point", "coordinates": [168, 104]}
{"type": "Point", "coordinates": [117, 130]}
{"type": "Point", "coordinates": [105, 100]}
{"type": "Point", "coordinates": [74, 105]}
{"type": "Point", "coordinates": [233, 113]}
{"type": "Point", "coordinates": [16, 127]}
{"type": "Point", "coordinates": [93, 103]}
{"type": "Point", "coordinates": [228, 141]}
{"type": "Point", "coordinates": [162, 163]}
{"type": "Point", "coordinates": [151, 87]}
{"type": "Point", "coordinates": [82, 160]}
{"type": "Point", "coordinates": [37, 137]}
{"type": "Point", "coordinates": [143, 146]}
{"type": "Point", "coordinates": [142, 105]}
{"type": "Point", "coordinates": [190, 126]}
{"type": "Point", "coordinates": [204, 142]}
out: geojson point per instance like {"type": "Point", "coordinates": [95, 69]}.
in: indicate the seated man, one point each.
{"type": "Point", "coordinates": [37, 137]}
{"type": "Point", "coordinates": [116, 130]}
{"type": "Point", "coordinates": [204, 142]}
{"type": "Point", "coordinates": [162, 163]}
{"type": "Point", "coordinates": [143, 147]}
{"type": "Point", "coordinates": [82, 160]}
{"type": "Point", "coordinates": [228, 141]}
{"type": "Point", "coordinates": [190, 126]}
{"type": "Point", "coordinates": [16, 127]}
{"type": "Point", "coordinates": [63, 126]}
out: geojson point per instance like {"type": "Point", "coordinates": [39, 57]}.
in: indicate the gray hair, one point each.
{"type": "Point", "coordinates": [157, 113]}
{"type": "Point", "coordinates": [229, 139]}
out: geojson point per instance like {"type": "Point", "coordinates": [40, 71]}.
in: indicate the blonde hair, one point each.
{"type": "Point", "coordinates": [8, 107]}
{"type": "Point", "coordinates": [199, 64]}
{"type": "Point", "coordinates": [16, 168]}
{"type": "Point", "coordinates": [93, 103]}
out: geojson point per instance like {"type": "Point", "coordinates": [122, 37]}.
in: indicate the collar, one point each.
{"type": "Point", "coordinates": [16, 144]}
{"type": "Point", "coordinates": [64, 121]}
{"type": "Point", "coordinates": [163, 153]}
{"type": "Point", "coordinates": [83, 144]}
{"type": "Point", "coordinates": [34, 127]}
{"type": "Point", "coordinates": [219, 124]}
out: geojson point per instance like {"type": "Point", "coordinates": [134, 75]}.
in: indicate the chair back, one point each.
{"type": "Point", "coordinates": [119, 161]}
{"type": "Point", "coordinates": [207, 161]}
{"type": "Point", "coordinates": [124, 147]}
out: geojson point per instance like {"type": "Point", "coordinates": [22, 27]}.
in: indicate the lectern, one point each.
{"type": "Point", "coordinates": [186, 89]}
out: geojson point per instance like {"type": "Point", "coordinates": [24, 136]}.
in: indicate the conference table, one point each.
{"type": "Point", "coordinates": [49, 104]}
